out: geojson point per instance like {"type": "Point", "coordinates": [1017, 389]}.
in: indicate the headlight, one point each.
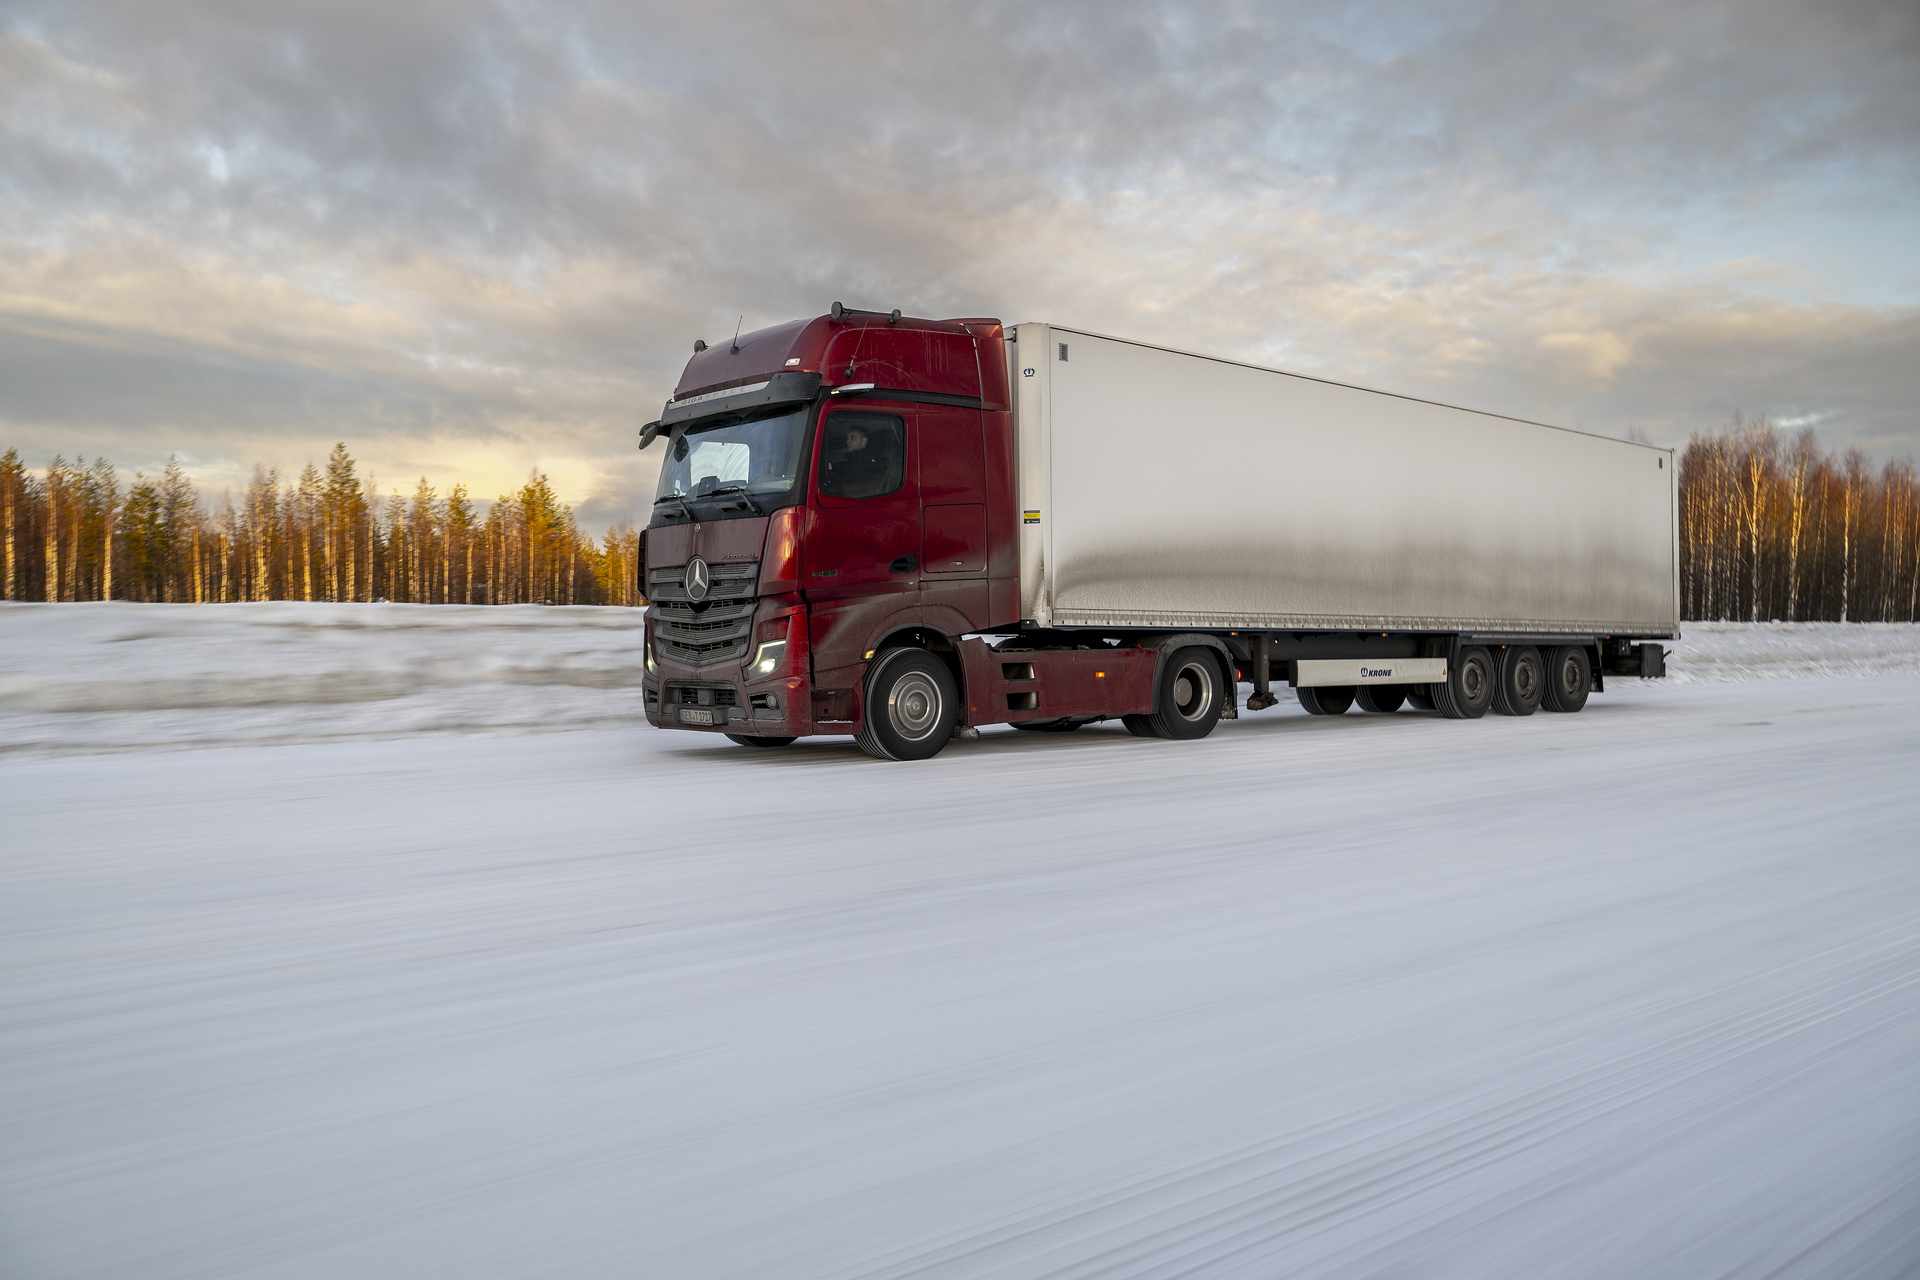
{"type": "Point", "coordinates": [767, 657]}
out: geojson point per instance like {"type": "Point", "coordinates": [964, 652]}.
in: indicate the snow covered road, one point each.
{"type": "Point", "coordinates": [1629, 993]}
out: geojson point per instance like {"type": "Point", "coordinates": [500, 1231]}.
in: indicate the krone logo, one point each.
{"type": "Point", "coordinates": [697, 579]}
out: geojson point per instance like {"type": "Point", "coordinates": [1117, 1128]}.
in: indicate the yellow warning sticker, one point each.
{"type": "Point", "coordinates": [1030, 517]}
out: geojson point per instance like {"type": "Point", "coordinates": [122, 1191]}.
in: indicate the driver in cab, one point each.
{"type": "Point", "coordinates": [854, 467]}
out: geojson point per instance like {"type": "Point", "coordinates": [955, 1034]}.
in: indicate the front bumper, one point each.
{"type": "Point", "coordinates": [721, 701]}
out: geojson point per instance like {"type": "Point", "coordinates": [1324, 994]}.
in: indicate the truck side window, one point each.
{"type": "Point", "coordinates": [862, 455]}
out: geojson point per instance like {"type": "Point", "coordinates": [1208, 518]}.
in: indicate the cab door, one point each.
{"type": "Point", "coordinates": [953, 490]}
{"type": "Point", "coordinates": [861, 562]}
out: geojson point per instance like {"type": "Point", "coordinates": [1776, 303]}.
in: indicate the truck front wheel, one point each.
{"type": "Point", "coordinates": [1186, 703]}
{"type": "Point", "coordinates": [910, 706]}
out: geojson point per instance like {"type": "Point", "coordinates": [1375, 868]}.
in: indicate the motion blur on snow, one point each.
{"type": "Point", "coordinates": [473, 974]}
{"type": "Point", "coordinates": [116, 676]}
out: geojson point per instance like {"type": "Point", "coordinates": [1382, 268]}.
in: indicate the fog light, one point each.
{"type": "Point", "coordinates": [767, 657]}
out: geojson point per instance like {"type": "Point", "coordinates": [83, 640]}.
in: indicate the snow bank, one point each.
{"type": "Point", "coordinates": [116, 676]}
{"type": "Point", "coordinates": [123, 677]}
{"type": "Point", "coordinates": [1712, 652]}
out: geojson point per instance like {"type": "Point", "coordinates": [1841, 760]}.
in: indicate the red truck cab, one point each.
{"type": "Point", "coordinates": [834, 490]}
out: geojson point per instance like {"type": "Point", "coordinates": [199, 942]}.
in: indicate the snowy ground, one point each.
{"type": "Point", "coordinates": [1629, 993]}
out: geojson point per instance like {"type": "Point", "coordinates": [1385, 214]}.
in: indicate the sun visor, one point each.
{"type": "Point", "coordinates": [781, 388]}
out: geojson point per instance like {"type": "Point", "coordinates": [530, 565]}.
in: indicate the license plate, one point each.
{"type": "Point", "coordinates": [696, 715]}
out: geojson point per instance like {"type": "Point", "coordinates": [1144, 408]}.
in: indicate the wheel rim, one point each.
{"type": "Point", "coordinates": [1192, 691]}
{"type": "Point", "coordinates": [1569, 675]}
{"type": "Point", "coordinates": [1526, 679]}
{"type": "Point", "coordinates": [1473, 679]}
{"type": "Point", "coordinates": [914, 705]}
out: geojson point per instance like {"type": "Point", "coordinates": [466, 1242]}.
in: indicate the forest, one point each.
{"type": "Point", "coordinates": [1772, 528]}
{"type": "Point", "coordinates": [1775, 528]}
{"type": "Point", "coordinates": [74, 533]}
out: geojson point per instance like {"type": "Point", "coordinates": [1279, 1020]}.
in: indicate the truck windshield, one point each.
{"type": "Point", "coordinates": [761, 457]}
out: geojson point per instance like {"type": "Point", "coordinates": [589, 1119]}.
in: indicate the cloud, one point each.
{"type": "Point", "coordinates": [480, 237]}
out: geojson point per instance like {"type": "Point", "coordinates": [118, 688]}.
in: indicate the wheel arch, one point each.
{"type": "Point", "coordinates": [934, 634]}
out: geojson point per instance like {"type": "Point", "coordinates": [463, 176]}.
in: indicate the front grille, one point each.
{"type": "Point", "coordinates": [680, 694]}
{"type": "Point", "coordinates": [727, 580]}
{"type": "Point", "coordinates": [700, 635]}
{"type": "Point", "coordinates": [717, 629]}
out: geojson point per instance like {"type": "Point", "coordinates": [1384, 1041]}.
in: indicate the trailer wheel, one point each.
{"type": "Point", "coordinates": [747, 741]}
{"type": "Point", "coordinates": [1326, 699]}
{"type": "Point", "coordinates": [1519, 682]}
{"type": "Point", "coordinates": [1062, 725]}
{"type": "Point", "coordinates": [1382, 698]}
{"type": "Point", "coordinates": [1186, 703]}
{"type": "Point", "coordinates": [1419, 697]}
{"type": "Point", "coordinates": [909, 706]}
{"type": "Point", "coordinates": [1569, 676]}
{"type": "Point", "coordinates": [1468, 689]}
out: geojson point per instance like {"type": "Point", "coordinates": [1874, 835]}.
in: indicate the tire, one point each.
{"type": "Point", "coordinates": [1382, 699]}
{"type": "Point", "coordinates": [1420, 697]}
{"type": "Point", "coordinates": [1188, 695]}
{"type": "Point", "coordinates": [1140, 726]}
{"type": "Point", "coordinates": [1519, 679]}
{"type": "Point", "coordinates": [1326, 699]}
{"type": "Point", "coordinates": [1569, 675]}
{"type": "Point", "coordinates": [746, 741]}
{"type": "Point", "coordinates": [1467, 691]}
{"type": "Point", "coordinates": [1062, 725]}
{"type": "Point", "coordinates": [910, 706]}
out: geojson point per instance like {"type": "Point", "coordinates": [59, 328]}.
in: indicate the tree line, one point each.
{"type": "Point", "coordinates": [75, 533]}
{"type": "Point", "coordinates": [1775, 528]}
{"type": "Point", "coordinates": [1772, 527]}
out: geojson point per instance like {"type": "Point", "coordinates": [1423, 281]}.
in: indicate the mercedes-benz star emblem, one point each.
{"type": "Point", "coordinates": [697, 579]}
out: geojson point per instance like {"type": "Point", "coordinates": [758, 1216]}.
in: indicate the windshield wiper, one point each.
{"type": "Point", "coordinates": [744, 496]}
{"type": "Point", "coordinates": [674, 497]}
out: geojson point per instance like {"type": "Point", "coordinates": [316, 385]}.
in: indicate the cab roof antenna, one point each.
{"type": "Point", "coordinates": [736, 335]}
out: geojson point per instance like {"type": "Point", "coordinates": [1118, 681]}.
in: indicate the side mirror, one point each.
{"type": "Point", "coordinates": [649, 433]}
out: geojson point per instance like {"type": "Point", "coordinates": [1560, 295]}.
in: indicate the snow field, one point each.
{"type": "Point", "coordinates": [1633, 992]}
{"type": "Point", "coordinates": [131, 677]}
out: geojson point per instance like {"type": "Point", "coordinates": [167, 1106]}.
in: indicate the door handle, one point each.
{"type": "Point", "coordinates": [904, 564]}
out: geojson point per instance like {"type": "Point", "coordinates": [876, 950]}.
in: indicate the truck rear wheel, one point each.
{"type": "Point", "coordinates": [1326, 699]}
{"type": "Point", "coordinates": [1382, 698]}
{"type": "Point", "coordinates": [1569, 675]}
{"type": "Point", "coordinates": [1519, 681]}
{"type": "Point", "coordinates": [1186, 701]}
{"type": "Point", "coordinates": [909, 706]}
{"type": "Point", "coordinates": [1468, 689]}
{"type": "Point", "coordinates": [747, 741]}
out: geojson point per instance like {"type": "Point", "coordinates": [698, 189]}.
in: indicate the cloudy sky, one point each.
{"type": "Point", "coordinates": [471, 239]}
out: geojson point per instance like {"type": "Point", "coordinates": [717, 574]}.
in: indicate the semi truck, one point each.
{"type": "Point", "coordinates": [904, 529]}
